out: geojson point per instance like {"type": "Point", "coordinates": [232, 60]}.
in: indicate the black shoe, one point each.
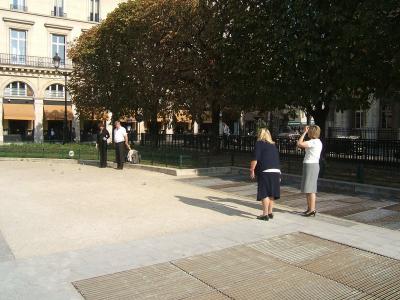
{"type": "Point", "coordinates": [306, 212]}
{"type": "Point", "coordinates": [311, 213]}
{"type": "Point", "coordinates": [263, 217]}
{"type": "Point", "coordinates": [271, 216]}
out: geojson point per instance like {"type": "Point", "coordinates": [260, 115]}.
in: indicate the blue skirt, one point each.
{"type": "Point", "coordinates": [268, 185]}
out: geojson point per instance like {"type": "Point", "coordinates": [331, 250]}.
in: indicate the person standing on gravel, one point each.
{"type": "Point", "coordinates": [101, 144]}
{"type": "Point", "coordinates": [121, 141]}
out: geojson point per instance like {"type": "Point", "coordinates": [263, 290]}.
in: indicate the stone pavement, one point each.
{"type": "Point", "coordinates": [378, 212]}
{"type": "Point", "coordinates": [63, 223]}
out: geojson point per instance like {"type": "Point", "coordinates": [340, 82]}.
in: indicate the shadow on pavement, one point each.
{"type": "Point", "coordinates": [221, 205]}
{"type": "Point", "coordinates": [225, 205]}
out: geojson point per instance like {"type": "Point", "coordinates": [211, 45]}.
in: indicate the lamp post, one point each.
{"type": "Point", "coordinates": [56, 63]}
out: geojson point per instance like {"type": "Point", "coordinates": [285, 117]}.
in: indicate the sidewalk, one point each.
{"type": "Point", "coordinates": [52, 238]}
{"type": "Point", "coordinates": [378, 212]}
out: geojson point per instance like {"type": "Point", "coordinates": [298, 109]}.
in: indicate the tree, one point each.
{"type": "Point", "coordinates": [127, 64]}
{"type": "Point", "coordinates": [329, 53]}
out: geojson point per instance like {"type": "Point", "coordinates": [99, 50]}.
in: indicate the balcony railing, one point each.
{"type": "Point", "coordinates": [15, 92]}
{"type": "Point", "coordinates": [32, 61]}
{"type": "Point", "coordinates": [54, 94]}
{"type": "Point", "coordinates": [58, 13]}
{"type": "Point", "coordinates": [94, 17]}
{"type": "Point", "coordinates": [18, 7]}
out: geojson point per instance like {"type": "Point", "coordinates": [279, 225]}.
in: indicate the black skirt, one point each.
{"type": "Point", "coordinates": [268, 185]}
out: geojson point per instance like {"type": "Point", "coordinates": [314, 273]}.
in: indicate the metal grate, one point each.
{"type": "Point", "coordinates": [294, 266]}
{"type": "Point", "coordinates": [162, 281]}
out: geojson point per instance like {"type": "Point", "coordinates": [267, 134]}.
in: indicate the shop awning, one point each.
{"type": "Point", "coordinates": [18, 111]}
{"type": "Point", "coordinates": [56, 112]}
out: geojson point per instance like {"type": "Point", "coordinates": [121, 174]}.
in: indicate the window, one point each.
{"type": "Point", "coordinates": [16, 88]}
{"type": "Point", "coordinates": [386, 116]}
{"type": "Point", "coordinates": [359, 119]}
{"type": "Point", "coordinates": [58, 8]}
{"type": "Point", "coordinates": [58, 46]}
{"type": "Point", "coordinates": [18, 5]}
{"type": "Point", "coordinates": [18, 46]}
{"type": "Point", "coordinates": [94, 10]}
{"type": "Point", "coordinates": [55, 91]}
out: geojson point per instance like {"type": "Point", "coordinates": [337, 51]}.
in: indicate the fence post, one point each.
{"type": "Point", "coordinates": [360, 173]}
{"type": "Point", "coordinates": [322, 164]}
{"type": "Point", "coordinates": [180, 161]}
{"type": "Point", "coordinates": [232, 158]}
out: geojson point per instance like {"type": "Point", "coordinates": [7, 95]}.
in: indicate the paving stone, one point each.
{"type": "Point", "coordinates": [5, 251]}
{"type": "Point", "coordinates": [394, 207]}
{"type": "Point", "coordinates": [347, 210]}
{"type": "Point", "coordinates": [372, 216]}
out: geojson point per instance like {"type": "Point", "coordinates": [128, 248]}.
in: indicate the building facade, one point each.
{"type": "Point", "coordinates": [380, 122]}
{"type": "Point", "coordinates": [31, 90]}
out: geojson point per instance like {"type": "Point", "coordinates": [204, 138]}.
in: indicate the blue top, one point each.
{"type": "Point", "coordinates": [266, 155]}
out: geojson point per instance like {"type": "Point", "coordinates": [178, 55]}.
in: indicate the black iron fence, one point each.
{"type": "Point", "coordinates": [364, 133]}
{"type": "Point", "coordinates": [347, 149]}
{"type": "Point", "coordinates": [17, 137]}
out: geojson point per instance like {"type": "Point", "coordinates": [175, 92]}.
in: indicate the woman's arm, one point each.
{"type": "Point", "coordinates": [253, 165]}
{"type": "Point", "coordinates": [301, 143]}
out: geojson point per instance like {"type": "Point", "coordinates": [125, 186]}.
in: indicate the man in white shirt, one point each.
{"type": "Point", "coordinates": [120, 139]}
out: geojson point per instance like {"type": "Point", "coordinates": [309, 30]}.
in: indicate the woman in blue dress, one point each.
{"type": "Point", "coordinates": [266, 167]}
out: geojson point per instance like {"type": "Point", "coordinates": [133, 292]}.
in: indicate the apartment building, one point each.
{"type": "Point", "coordinates": [32, 91]}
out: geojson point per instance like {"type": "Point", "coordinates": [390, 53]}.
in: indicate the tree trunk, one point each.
{"type": "Point", "coordinates": [154, 128]}
{"type": "Point", "coordinates": [215, 107]}
{"type": "Point", "coordinates": [320, 115]}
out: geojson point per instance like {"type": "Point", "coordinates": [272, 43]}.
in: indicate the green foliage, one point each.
{"type": "Point", "coordinates": [159, 56]}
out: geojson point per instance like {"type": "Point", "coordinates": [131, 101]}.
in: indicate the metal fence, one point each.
{"type": "Point", "coordinates": [383, 151]}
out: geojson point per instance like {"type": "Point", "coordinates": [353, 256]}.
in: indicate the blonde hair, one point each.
{"type": "Point", "coordinates": [314, 132]}
{"type": "Point", "coordinates": [264, 135]}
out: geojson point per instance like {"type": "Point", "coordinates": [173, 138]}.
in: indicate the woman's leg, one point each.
{"type": "Point", "coordinates": [265, 205]}
{"type": "Point", "coordinates": [308, 202]}
{"type": "Point", "coordinates": [271, 205]}
{"type": "Point", "coordinates": [312, 198]}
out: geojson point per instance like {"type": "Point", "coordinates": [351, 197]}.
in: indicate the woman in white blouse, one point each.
{"type": "Point", "coordinates": [313, 148]}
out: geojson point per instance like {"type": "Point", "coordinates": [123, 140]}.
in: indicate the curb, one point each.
{"type": "Point", "coordinates": [52, 160]}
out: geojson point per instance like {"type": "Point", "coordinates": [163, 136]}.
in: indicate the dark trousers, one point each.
{"type": "Point", "coordinates": [120, 154]}
{"type": "Point", "coordinates": [103, 155]}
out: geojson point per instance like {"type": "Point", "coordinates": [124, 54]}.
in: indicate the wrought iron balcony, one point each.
{"type": "Point", "coordinates": [31, 61]}
{"type": "Point", "coordinates": [18, 7]}
{"type": "Point", "coordinates": [16, 92]}
{"type": "Point", "coordinates": [54, 94]}
{"type": "Point", "coordinates": [58, 13]}
{"type": "Point", "coordinates": [94, 17]}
